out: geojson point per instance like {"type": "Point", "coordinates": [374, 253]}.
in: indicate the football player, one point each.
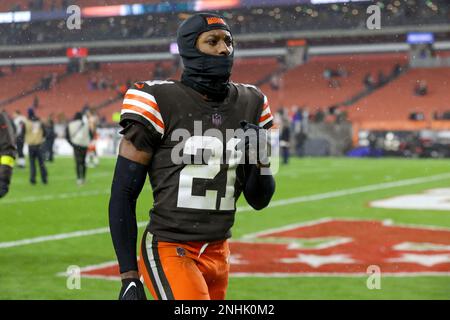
{"type": "Point", "coordinates": [184, 251]}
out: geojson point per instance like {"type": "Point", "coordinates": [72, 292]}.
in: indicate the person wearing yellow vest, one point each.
{"type": "Point", "coordinates": [7, 152]}
{"type": "Point", "coordinates": [34, 138]}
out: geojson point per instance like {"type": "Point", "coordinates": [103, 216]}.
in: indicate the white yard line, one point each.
{"type": "Point", "coordinates": [277, 203]}
{"type": "Point", "coordinates": [60, 196]}
{"type": "Point", "coordinates": [60, 236]}
{"type": "Point", "coordinates": [65, 177]}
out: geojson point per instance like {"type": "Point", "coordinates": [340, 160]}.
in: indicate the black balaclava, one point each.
{"type": "Point", "coordinates": [207, 74]}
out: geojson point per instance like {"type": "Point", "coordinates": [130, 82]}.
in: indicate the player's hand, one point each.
{"type": "Point", "coordinates": [254, 144]}
{"type": "Point", "coordinates": [132, 289]}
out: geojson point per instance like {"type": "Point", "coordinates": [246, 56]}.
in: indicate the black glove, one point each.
{"type": "Point", "coordinates": [254, 144]}
{"type": "Point", "coordinates": [132, 289]}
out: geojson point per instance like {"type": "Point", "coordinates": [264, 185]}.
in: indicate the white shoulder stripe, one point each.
{"type": "Point", "coordinates": [265, 111]}
{"type": "Point", "coordinates": [157, 82]}
{"type": "Point", "coordinates": [157, 128]}
{"type": "Point", "coordinates": [145, 107]}
{"type": "Point", "coordinates": [249, 86]}
{"type": "Point", "coordinates": [262, 124]}
{"type": "Point", "coordinates": [142, 94]}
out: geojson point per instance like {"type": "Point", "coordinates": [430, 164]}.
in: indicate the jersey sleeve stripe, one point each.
{"type": "Point", "coordinates": [265, 117]}
{"type": "Point", "coordinates": [265, 111]}
{"type": "Point", "coordinates": [158, 124]}
{"type": "Point", "coordinates": [148, 102]}
{"type": "Point", "coordinates": [143, 106]}
{"type": "Point", "coordinates": [154, 125]}
{"type": "Point", "coordinates": [263, 122]}
{"type": "Point", "coordinates": [266, 114]}
{"type": "Point", "coordinates": [142, 94]}
{"type": "Point", "coordinates": [266, 102]}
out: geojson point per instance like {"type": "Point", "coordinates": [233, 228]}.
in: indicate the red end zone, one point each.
{"type": "Point", "coordinates": [332, 247]}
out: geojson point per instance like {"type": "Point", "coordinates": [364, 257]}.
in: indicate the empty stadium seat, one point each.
{"type": "Point", "coordinates": [306, 86]}
{"type": "Point", "coordinates": [397, 100]}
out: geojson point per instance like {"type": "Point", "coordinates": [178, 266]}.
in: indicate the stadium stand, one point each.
{"type": "Point", "coordinates": [303, 86]}
{"type": "Point", "coordinates": [242, 21]}
{"type": "Point", "coordinates": [397, 100]}
{"type": "Point", "coordinates": [16, 5]}
{"type": "Point", "coordinates": [93, 3]}
{"type": "Point", "coordinates": [72, 93]}
{"type": "Point", "coordinates": [37, 5]}
{"type": "Point", "coordinates": [306, 86]}
{"type": "Point", "coordinates": [17, 83]}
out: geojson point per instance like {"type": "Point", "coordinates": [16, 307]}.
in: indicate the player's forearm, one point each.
{"type": "Point", "coordinates": [259, 188]}
{"type": "Point", "coordinates": [129, 178]}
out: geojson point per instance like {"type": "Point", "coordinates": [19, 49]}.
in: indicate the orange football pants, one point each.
{"type": "Point", "coordinates": [184, 271]}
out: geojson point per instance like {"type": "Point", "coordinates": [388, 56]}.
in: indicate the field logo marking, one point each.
{"type": "Point", "coordinates": [434, 199]}
{"type": "Point", "coordinates": [369, 247]}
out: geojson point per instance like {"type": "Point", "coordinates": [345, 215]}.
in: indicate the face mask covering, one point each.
{"type": "Point", "coordinates": [207, 74]}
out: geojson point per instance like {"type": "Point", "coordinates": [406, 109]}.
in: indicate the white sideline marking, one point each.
{"type": "Point", "coordinates": [60, 236]}
{"type": "Point", "coordinates": [64, 178]}
{"type": "Point", "coordinates": [277, 203]}
{"type": "Point", "coordinates": [60, 196]}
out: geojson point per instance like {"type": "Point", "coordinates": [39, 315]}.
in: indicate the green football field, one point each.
{"type": "Point", "coordinates": [37, 239]}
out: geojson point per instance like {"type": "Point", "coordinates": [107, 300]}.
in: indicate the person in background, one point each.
{"type": "Point", "coordinates": [79, 136]}
{"type": "Point", "coordinates": [34, 137]}
{"type": "Point", "coordinates": [7, 152]}
{"type": "Point", "coordinates": [369, 82]}
{"type": "Point", "coordinates": [382, 79]}
{"type": "Point", "coordinates": [319, 116]}
{"type": "Point", "coordinates": [91, 157]}
{"type": "Point", "coordinates": [397, 70]}
{"type": "Point", "coordinates": [49, 138]}
{"type": "Point", "coordinates": [421, 88]}
{"type": "Point", "coordinates": [19, 123]}
{"type": "Point", "coordinates": [285, 137]}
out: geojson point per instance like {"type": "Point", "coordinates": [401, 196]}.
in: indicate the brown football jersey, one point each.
{"type": "Point", "coordinates": [194, 192]}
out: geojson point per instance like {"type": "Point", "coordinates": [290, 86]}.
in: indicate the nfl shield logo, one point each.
{"type": "Point", "coordinates": [216, 119]}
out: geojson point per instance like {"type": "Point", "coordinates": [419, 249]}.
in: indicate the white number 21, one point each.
{"type": "Point", "coordinates": [208, 171]}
